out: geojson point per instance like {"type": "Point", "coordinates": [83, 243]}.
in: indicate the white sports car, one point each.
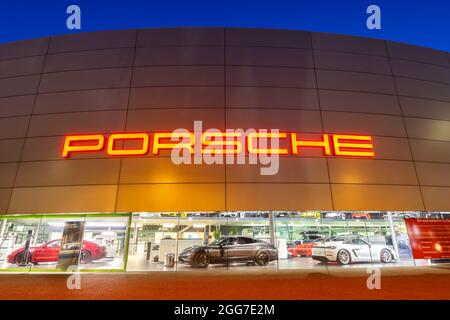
{"type": "Point", "coordinates": [353, 250]}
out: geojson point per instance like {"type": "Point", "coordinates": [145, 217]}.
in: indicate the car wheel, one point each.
{"type": "Point", "coordinates": [386, 256]}
{"type": "Point", "coordinates": [343, 257]}
{"type": "Point", "coordinates": [22, 259]}
{"type": "Point", "coordinates": [201, 260]}
{"type": "Point", "coordinates": [85, 256]}
{"type": "Point", "coordinates": [262, 258]}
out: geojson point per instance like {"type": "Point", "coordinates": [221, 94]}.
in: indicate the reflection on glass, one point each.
{"type": "Point", "coordinates": [18, 241]}
{"type": "Point", "coordinates": [52, 235]}
{"type": "Point", "coordinates": [153, 237]}
{"type": "Point", "coordinates": [104, 242]}
{"type": "Point", "coordinates": [301, 232]}
{"type": "Point", "coordinates": [63, 242]}
{"type": "Point", "coordinates": [170, 241]}
{"type": "Point", "coordinates": [193, 240]}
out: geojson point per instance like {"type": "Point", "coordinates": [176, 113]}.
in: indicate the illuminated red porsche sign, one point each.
{"type": "Point", "coordinates": [259, 142]}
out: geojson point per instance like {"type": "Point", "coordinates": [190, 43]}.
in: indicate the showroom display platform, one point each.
{"type": "Point", "coordinates": [139, 264]}
{"type": "Point", "coordinates": [175, 241]}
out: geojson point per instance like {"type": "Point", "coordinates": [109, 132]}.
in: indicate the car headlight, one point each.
{"type": "Point", "coordinates": [330, 247]}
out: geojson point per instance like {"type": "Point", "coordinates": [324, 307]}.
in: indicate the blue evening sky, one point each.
{"type": "Point", "coordinates": [420, 22]}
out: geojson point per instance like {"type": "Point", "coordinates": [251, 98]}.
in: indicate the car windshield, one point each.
{"type": "Point", "coordinates": [356, 241]}
{"type": "Point", "coordinates": [218, 241]}
{"type": "Point", "coordinates": [54, 243]}
{"type": "Point", "coordinates": [336, 239]}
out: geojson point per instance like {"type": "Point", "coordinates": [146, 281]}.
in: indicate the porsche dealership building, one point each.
{"type": "Point", "coordinates": [359, 129]}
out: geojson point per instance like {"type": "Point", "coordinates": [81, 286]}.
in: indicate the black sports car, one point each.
{"type": "Point", "coordinates": [229, 249]}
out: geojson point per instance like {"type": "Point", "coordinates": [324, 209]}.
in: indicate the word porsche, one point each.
{"type": "Point", "coordinates": [223, 143]}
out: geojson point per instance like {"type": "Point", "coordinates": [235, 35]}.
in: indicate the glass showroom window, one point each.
{"type": "Point", "coordinates": [201, 241]}
{"type": "Point", "coordinates": [152, 236]}
{"type": "Point", "coordinates": [18, 238]}
{"type": "Point", "coordinates": [255, 244]}
{"type": "Point", "coordinates": [105, 242]}
{"type": "Point", "coordinates": [200, 245]}
{"type": "Point", "coordinates": [60, 243]}
{"type": "Point", "coordinates": [336, 238]}
{"type": "Point", "coordinates": [63, 242]}
{"type": "Point", "coordinates": [365, 240]}
{"type": "Point", "coordinates": [400, 240]}
{"type": "Point", "coordinates": [346, 241]}
{"type": "Point", "coordinates": [359, 240]}
{"type": "Point", "coordinates": [362, 238]}
{"type": "Point", "coordinates": [297, 233]}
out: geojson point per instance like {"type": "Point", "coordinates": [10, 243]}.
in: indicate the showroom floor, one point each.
{"type": "Point", "coordinates": [106, 263]}
{"type": "Point", "coordinates": [139, 263]}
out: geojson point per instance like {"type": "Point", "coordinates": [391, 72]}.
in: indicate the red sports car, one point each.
{"type": "Point", "coordinates": [49, 252]}
{"type": "Point", "coordinates": [303, 249]}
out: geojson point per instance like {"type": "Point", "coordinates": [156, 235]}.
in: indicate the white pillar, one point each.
{"type": "Point", "coordinates": [2, 227]}
{"type": "Point", "coordinates": [393, 235]}
{"type": "Point", "coordinates": [135, 240]}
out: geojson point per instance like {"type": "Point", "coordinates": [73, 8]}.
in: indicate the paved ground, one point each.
{"type": "Point", "coordinates": [334, 283]}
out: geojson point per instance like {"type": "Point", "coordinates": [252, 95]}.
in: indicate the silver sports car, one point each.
{"type": "Point", "coordinates": [229, 249]}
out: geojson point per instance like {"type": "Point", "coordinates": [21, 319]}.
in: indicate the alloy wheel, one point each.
{"type": "Point", "coordinates": [201, 260]}
{"type": "Point", "coordinates": [386, 256]}
{"type": "Point", "coordinates": [343, 257]}
{"type": "Point", "coordinates": [84, 257]}
{"type": "Point", "coordinates": [262, 258]}
{"type": "Point", "coordinates": [23, 259]}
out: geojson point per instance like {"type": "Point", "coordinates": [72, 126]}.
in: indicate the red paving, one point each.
{"type": "Point", "coordinates": [223, 286]}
